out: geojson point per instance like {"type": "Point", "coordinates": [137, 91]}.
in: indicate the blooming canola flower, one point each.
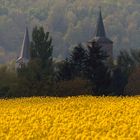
{"type": "Point", "coordinates": [73, 118]}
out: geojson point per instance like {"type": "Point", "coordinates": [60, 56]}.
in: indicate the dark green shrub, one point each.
{"type": "Point", "coordinates": [72, 88]}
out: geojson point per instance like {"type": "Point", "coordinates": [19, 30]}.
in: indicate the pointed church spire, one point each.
{"type": "Point", "coordinates": [25, 46]}
{"type": "Point", "coordinates": [25, 50]}
{"type": "Point", "coordinates": [100, 30]}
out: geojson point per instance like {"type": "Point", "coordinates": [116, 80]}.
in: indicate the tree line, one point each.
{"type": "Point", "coordinates": [84, 71]}
{"type": "Point", "coordinates": [70, 22]}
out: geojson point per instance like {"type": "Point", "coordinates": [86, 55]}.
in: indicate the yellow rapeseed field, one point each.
{"type": "Point", "coordinates": [75, 118]}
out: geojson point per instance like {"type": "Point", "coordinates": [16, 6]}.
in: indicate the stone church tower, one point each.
{"type": "Point", "coordinates": [101, 38]}
{"type": "Point", "coordinates": [24, 56]}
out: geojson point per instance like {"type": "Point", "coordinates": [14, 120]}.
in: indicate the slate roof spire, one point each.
{"type": "Point", "coordinates": [25, 45]}
{"type": "Point", "coordinates": [100, 30]}
{"type": "Point", "coordinates": [25, 50]}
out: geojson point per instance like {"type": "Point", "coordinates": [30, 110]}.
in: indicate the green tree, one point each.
{"type": "Point", "coordinates": [125, 62]}
{"type": "Point", "coordinates": [37, 77]}
{"type": "Point", "coordinates": [8, 82]}
{"type": "Point", "coordinates": [41, 50]}
{"type": "Point", "coordinates": [78, 60]}
{"type": "Point", "coordinates": [97, 72]}
{"type": "Point", "coordinates": [65, 71]}
{"type": "Point", "coordinates": [74, 65]}
{"type": "Point", "coordinates": [119, 81]}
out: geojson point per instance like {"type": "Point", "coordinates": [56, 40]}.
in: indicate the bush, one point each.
{"type": "Point", "coordinates": [72, 88]}
{"type": "Point", "coordinates": [133, 86]}
{"type": "Point", "coordinates": [8, 80]}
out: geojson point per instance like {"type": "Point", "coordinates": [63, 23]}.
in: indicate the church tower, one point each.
{"type": "Point", "coordinates": [24, 56]}
{"type": "Point", "coordinates": [101, 38]}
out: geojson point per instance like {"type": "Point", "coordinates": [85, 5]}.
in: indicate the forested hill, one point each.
{"type": "Point", "coordinates": [69, 22]}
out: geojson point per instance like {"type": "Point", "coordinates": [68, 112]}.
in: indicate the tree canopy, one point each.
{"type": "Point", "coordinates": [69, 22]}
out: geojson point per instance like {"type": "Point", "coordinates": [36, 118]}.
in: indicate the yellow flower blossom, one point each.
{"type": "Point", "coordinates": [72, 118]}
